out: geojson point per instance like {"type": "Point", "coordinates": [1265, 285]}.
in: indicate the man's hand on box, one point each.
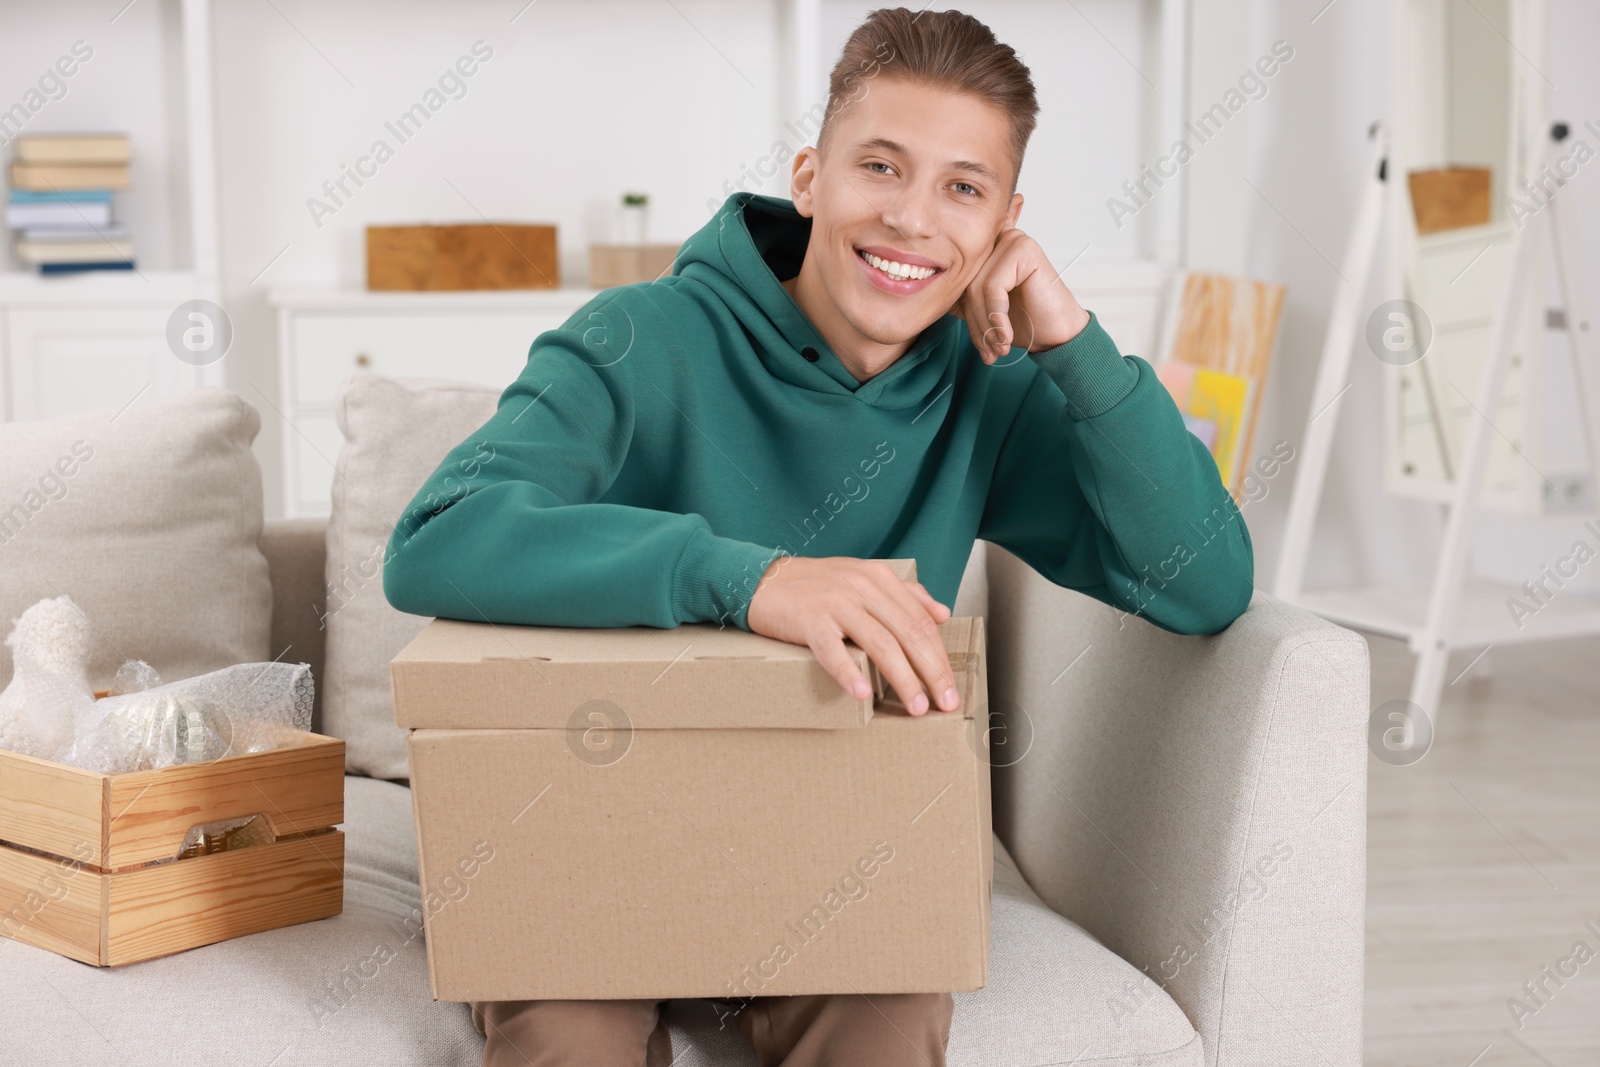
{"type": "Point", "coordinates": [819, 602]}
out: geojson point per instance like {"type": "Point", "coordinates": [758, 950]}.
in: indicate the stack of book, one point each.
{"type": "Point", "coordinates": [60, 204]}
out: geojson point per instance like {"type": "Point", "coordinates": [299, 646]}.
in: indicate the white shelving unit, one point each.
{"type": "Point", "coordinates": [1480, 375]}
{"type": "Point", "coordinates": [98, 340]}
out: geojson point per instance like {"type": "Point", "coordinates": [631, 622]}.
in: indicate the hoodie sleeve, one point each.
{"type": "Point", "coordinates": [1100, 487]}
{"type": "Point", "coordinates": [509, 529]}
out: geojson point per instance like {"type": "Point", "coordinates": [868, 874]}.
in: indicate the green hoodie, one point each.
{"type": "Point", "coordinates": [673, 437]}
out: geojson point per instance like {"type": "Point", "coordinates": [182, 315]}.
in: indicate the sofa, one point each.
{"type": "Point", "coordinates": [1180, 821]}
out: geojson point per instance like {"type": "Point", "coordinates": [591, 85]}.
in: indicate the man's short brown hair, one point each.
{"type": "Point", "coordinates": [947, 50]}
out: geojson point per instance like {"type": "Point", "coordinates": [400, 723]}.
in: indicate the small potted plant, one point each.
{"type": "Point", "coordinates": [635, 208]}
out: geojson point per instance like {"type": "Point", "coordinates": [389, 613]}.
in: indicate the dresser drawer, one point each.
{"type": "Point", "coordinates": [488, 349]}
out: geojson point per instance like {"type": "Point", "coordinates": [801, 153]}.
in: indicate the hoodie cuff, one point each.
{"type": "Point", "coordinates": [1089, 370]}
{"type": "Point", "coordinates": [716, 579]}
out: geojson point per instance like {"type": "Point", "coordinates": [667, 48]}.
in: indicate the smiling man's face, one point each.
{"type": "Point", "coordinates": [914, 176]}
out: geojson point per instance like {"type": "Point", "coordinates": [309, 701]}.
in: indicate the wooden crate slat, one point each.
{"type": "Point", "coordinates": [50, 904]}
{"type": "Point", "coordinates": [298, 789]}
{"type": "Point", "coordinates": [159, 910]}
{"type": "Point", "coordinates": [52, 807]}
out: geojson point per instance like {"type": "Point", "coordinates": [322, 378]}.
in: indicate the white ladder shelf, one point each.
{"type": "Point", "coordinates": [1459, 612]}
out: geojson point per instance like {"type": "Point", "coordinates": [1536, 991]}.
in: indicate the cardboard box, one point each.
{"type": "Point", "coordinates": [499, 255]}
{"type": "Point", "coordinates": [690, 812]}
{"type": "Point", "coordinates": [87, 865]}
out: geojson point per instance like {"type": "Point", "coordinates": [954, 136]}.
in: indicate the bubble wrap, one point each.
{"type": "Point", "coordinates": [42, 706]}
{"type": "Point", "coordinates": [249, 707]}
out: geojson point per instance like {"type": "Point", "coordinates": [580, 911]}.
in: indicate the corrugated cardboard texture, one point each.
{"type": "Point", "coordinates": [488, 676]}
{"type": "Point", "coordinates": [721, 862]}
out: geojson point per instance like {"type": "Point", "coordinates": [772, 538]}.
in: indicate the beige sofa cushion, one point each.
{"type": "Point", "coordinates": [148, 519]}
{"type": "Point", "coordinates": [397, 431]}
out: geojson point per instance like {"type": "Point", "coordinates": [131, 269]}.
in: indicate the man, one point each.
{"type": "Point", "coordinates": [884, 367]}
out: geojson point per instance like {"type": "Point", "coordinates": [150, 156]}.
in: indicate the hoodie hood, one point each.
{"type": "Point", "coordinates": [741, 254]}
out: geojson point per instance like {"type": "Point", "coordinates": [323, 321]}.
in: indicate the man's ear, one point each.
{"type": "Point", "coordinates": [1013, 211]}
{"type": "Point", "coordinates": [802, 174]}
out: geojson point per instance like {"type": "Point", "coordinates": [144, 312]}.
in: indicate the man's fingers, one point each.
{"type": "Point", "coordinates": [894, 605]}
{"type": "Point", "coordinates": [939, 612]}
{"type": "Point", "coordinates": [988, 297]}
{"type": "Point", "coordinates": [996, 302]}
{"type": "Point", "coordinates": [884, 649]}
{"type": "Point", "coordinates": [987, 321]}
{"type": "Point", "coordinates": [896, 622]}
{"type": "Point", "coordinates": [839, 664]}
{"type": "Point", "coordinates": [928, 655]}
{"type": "Point", "coordinates": [917, 632]}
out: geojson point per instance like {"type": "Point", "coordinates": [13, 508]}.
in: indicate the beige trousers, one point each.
{"type": "Point", "coordinates": [840, 1030]}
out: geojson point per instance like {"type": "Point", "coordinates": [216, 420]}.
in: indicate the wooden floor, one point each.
{"type": "Point", "coordinates": [1484, 867]}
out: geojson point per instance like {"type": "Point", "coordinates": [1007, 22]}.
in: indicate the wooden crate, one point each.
{"type": "Point", "coordinates": [499, 255]}
{"type": "Point", "coordinates": [77, 851]}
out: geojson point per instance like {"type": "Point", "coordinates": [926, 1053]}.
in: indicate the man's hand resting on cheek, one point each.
{"type": "Point", "coordinates": [1017, 298]}
{"type": "Point", "coordinates": [820, 602]}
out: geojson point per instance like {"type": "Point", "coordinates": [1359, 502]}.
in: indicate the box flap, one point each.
{"type": "Point", "coordinates": [486, 675]}
{"type": "Point", "coordinates": [458, 674]}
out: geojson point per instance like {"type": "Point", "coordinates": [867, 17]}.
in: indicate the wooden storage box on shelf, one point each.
{"type": "Point", "coordinates": [502, 255]}
{"type": "Point", "coordinates": [77, 851]}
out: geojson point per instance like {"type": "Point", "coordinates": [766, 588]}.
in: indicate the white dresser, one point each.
{"type": "Point", "coordinates": [325, 335]}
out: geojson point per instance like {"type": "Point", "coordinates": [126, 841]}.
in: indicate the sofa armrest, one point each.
{"type": "Point", "coordinates": [296, 551]}
{"type": "Point", "coordinates": [1198, 804]}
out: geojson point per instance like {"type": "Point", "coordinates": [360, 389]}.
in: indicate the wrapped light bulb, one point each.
{"type": "Point", "coordinates": [158, 728]}
{"type": "Point", "coordinates": [249, 707]}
